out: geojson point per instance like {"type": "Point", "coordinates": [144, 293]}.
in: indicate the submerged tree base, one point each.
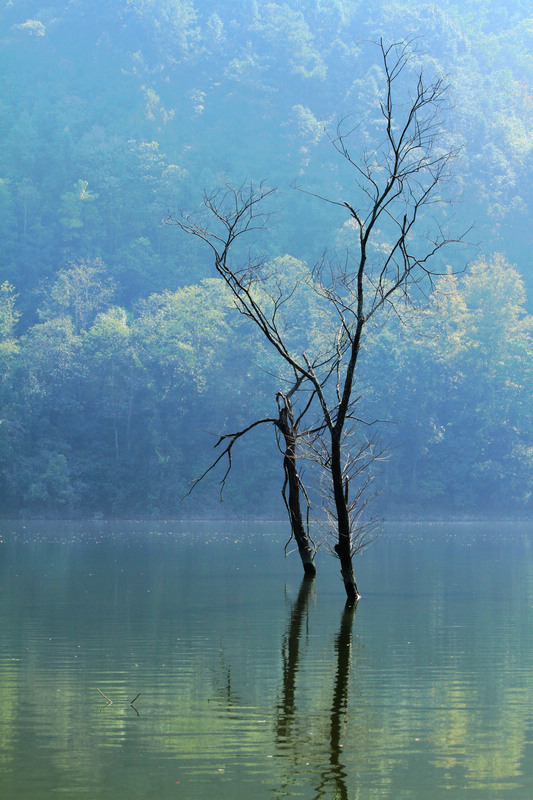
{"type": "Point", "coordinates": [309, 569]}
{"type": "Point", "coordinates": [306, 552]}
{"type": "Point", "coordinates": [352, 592]}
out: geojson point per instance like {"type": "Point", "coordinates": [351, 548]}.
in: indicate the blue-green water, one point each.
{"type": "Point", "coordinates": [252, 684]}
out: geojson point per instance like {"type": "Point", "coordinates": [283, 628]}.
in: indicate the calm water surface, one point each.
{"type": "Point", "coordinates": [252, 684]}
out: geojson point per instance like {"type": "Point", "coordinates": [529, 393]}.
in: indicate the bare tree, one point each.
{"type": "Point", "coordinates": [287, 425]}
{"type": "Point", "coordinates": [398, 189]}
{"type": "Point", "coordinates": [397, 186]}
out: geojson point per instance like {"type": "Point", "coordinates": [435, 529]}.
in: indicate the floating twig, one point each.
{"type": "Point", "coordinates": [109, 702]}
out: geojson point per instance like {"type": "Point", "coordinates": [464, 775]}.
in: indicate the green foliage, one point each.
{"type": "Point", "coordinates": [51, 486]}
{"type": "Point", "coordinates": [79, 292]}
{"type": "Point", "coordinates": [117, 350]}
{"type": "Point", "coordinates": [8, 313]}
{"type": "Point", "coordinates": [285, 27]}
{"type": "Point", "coordinates": [458, 383]}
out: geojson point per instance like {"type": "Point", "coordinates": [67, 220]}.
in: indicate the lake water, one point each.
{"type": "Point", "coordinates": [250, 684]}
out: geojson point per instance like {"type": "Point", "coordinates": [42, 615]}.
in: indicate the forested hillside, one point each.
{"type": "Point", "coordinates": [121, 354]}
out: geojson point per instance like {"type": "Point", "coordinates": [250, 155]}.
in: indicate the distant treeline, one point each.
{"type": "Point", "coordinates": [121, 356]}
{"type": "Point", "coordinates": [105, 410]}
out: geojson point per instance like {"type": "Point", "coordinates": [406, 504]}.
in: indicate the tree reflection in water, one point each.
{"type": "Point", "coordinates": [291, 661]}
{"type": "Point", "coordinates": [332, 776]}
{"type": "Point", "coordinates": [335, 775]}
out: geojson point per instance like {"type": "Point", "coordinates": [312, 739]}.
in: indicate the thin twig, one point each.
{"type": "Point", "coordinates": [109, 702]}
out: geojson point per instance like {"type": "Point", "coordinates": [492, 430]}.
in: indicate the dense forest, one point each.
{"type": "Point", "coordinates": [121, 354]}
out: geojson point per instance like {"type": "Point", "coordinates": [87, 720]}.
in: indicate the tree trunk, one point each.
{"type": "Point", "coordinates": [343, 548]}
{"type": "Point", "coordinates": [295, 511]}
{"type": "Point", "coordinates": [286, 426]}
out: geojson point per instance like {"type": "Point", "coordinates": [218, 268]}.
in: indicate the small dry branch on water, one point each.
{"type": "Point", "coordinates": [109, 702]}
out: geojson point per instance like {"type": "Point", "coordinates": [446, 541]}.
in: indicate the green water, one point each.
{"type": "Point", "coordinates": [252, 684]}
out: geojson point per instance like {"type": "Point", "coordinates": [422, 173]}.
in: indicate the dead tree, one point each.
{"type": "Point", "coordinates": [293, 489]}
{"type": "Point", "coordinates": [399, 188]}
{"type": "Point", "coordinates": [287, 424]}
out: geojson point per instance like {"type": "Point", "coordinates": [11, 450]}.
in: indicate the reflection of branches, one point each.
{"type": "Point", "coordinates": [224, 684]}
{"type": "Point", "coordinates": [132, 703]}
